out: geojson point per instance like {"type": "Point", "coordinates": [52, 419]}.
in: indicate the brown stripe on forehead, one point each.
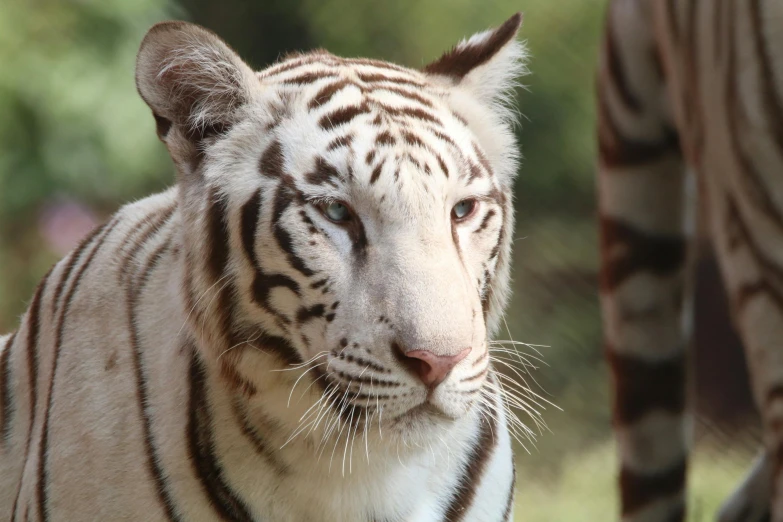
{"type": "Point", "coordinates": [340, 141]}
{"type": "Point", "coordinates": [272, 161]}
{"type": "Point", "coordinates": [323, 172]}
{"type": "Point", "coordinates": [644, 386]}
{"type": "Point", "coordinates": [627, 250]}
{"type": "Point", "coordinates": [309, 77]}
{"type": "Point", "coordinates": [377, 78]}
{"type": "Point", "coordinates": [410, 112]}
{"type": "Point", "coordinates": [474, 172]}
{"type": "Point", "coordinates": [295, 61]}
{"type": "Point", "coordinates": [375, 63]}
{"type": "Point", "coordinates": [443, 137]}
{"type": "Point", "coordinates": [416, 163]}
{"type": "Point", "coordinates": [482, 158]}
{"type": "Point", "coordinates": [405, 93]}
{"type": "Point", "coordinates": [327, 92]}
{"type": "Point", "coordinates": [411, 139]}
{"type": "Point", "coordinates": [385, 138]}
{"type": "Point", "coordinates": [460, 118]}
{"type": "Point", "coordinates": [442, 164]}
{"type": "Point", "coordinates": [342, 116]}
{"type": "Point", "coordinates": [376, 173]}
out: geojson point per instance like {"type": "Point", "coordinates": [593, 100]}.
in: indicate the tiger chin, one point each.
{"type": "Point", "coordinates": [298, 330]}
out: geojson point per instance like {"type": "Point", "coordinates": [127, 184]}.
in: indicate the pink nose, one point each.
{"type": "Point", "coordinates": [430, 368]}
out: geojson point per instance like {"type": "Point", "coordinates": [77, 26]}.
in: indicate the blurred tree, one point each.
{"type": "Point", "coordinates": [72, 122]}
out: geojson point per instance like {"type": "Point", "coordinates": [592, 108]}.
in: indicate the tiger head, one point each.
{"type": "Point", "coordinates": [349, 220]}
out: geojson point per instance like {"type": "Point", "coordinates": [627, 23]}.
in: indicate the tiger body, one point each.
{"type": "Point", "coordinates": [690, 105]}
{"type": "Point", "coordinates": [223, 351]}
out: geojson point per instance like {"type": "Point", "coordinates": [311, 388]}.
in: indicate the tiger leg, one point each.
{"type": "Point", "coordinates": [645, 282]}
{"type": "Point", "coordinates": [751, 267]}
{"type": "Point", "coordinates": [750, 502]}
{"type": "Point", "coordinates": [746, 218]}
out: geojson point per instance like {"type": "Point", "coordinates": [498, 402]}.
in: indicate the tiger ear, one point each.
{"type": "Point", "coordinates": [190, 78]}
{"type": "Point", "coordinates": [486, 64]}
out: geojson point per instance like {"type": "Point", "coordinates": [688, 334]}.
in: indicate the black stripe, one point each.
{"type": "Point", "coordinates": [309, 77]}
{"type": "Point", "coordinates": [638, 490]}
{"type": "Point", "coordinates": [771, 281]}
{"type": "Point", "coordinates": [753, 180]}
{"type": "Point", "coordinates": [626, 250]}
{"type": "Point", "coordinates": [6, 391]}
{"type": "Point", "coordinates": [147, 227]}
{"type": "Point", "coordinates": [133, 290]}
{"type": "Point", "coordinates": [263, 283]}
{"type": "Point", "coordinates": [376, 173]}
{"type": "Point", "coordinates": [511, 490]}
{"type": "Point", "coordinates": [641, 387]}
{"type": "Point", "coordinates": [474, 470]}
{"type": "Point", "coordinates": [283, 200]}
{"type": "Point", "coordinates": [400, 113]}
{"type": "Point", "coordinates": [342, 116]}
{"type": "Point", "coordinates": [305, 314]}
{"type": "Point", "coordinates": [226, 502]}
{"type": "Point", "coordinates": [33, 330]}
{"type": "Point", "coordinates": [405, 93]}
{"type": "Point", "coordinates": [272, 161]}
{"type": "Point", "coordinates": [340, 141]}
{"type": "Point", "coordinates": [66, 274]}
{"type": "Point", "coordinates": [615, 149]}
{"type": "Point", "coordinates": [259, 442]}
{"type": "Point", "coordinates": [496, 252]}
{"type": "Point", "coordinates": [484, 222]}
{"type": "Point", "coordinates": [217, 245]}
{"type": "Point", "coordinates": [374, 77]}
{"type": "Point", "coordinates": [43, 472]}
{"type": "Point", "coordinates": [327, 92]}
{"type": "Point", "coordinates": [375, 63]}
{"type": "Point", "coordinates": [282, 347]}
{"type": "Point", "coordinates": [323, 172]}
{"type": "Point", "coordinates": [770, 92]}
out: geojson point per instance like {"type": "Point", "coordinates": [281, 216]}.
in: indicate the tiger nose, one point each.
{"type": "Point", "coordinates": [430, 368]}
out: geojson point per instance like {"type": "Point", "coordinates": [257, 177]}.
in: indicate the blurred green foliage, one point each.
{"type": "Point", "coordinates": [72, 126]}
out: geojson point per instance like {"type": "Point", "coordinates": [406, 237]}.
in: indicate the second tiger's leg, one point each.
{"type": "Point", "coordinates": [646, 229]}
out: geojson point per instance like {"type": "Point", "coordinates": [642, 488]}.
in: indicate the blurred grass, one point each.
{"type": "Point", "coordinates": [585, 488]}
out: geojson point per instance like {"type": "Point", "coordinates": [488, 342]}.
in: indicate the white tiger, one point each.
{"type": "Point", "coordinates": [299, 330]}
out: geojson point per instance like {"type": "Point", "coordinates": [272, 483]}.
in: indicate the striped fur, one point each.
{"type": "Point", "coordinates": [225, 351]}
{"type": "Point", "coordinates": [690, 105]}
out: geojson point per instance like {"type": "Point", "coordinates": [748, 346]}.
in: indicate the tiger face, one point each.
{"type": "Point", "coordinates": [358, 219]}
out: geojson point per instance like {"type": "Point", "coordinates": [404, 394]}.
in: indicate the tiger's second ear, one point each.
{"type": "Point", "coordinates": [190, 78]}
{"type": "Point", "coordinates": [487, 64]}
